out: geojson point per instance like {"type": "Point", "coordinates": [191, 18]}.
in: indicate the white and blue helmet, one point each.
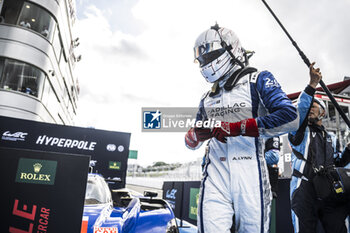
{"type": "Point", "coordinates": [218, 51]}
{"type": "Point", "coordinates": [322, 107]}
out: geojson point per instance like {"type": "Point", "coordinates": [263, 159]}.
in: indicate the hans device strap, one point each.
{"type": "Point", "coordinates": [231, 82]}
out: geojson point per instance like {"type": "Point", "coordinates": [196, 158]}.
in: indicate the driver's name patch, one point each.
{"type": "Point", "coordinates": [105, 230]}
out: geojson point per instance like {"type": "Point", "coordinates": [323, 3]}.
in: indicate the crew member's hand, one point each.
{"type": "Point", "coordinates": [196, 135]}
{"type": "Point", "coordinates": [315, 76]}
{"type": "Point", "coordinates": [246, 127]}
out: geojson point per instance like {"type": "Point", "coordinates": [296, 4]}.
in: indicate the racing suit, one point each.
{"type": "Point", "coordinates": [235, 191]}
{"type": "Point", "coordinates": [313, 147]}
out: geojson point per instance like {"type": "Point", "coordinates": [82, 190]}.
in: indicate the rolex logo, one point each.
{"type": "Point", "coordinates": [37, 167]}
{"type": "Point", "coordinates": [114, 165]}
{"type": "Point", "coordinates": [36, 171]}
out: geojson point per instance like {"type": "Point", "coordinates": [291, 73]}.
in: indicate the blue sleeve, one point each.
{"type": "Point", "coordinates": [343, 159]}
{"type": "Point", "coordinates": [201, 114]}
{"type": "Point", "coordinates": [282, 117]}
{"type": "Point", "coordinates": [304, 103]}
{"type": "Point", "coordinates": [272, 157]}
{"type": "Point", "coordinates": [336, 146]}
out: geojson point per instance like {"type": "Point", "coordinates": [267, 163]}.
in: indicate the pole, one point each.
{"type": "Point", "coordinates": [307, 62]}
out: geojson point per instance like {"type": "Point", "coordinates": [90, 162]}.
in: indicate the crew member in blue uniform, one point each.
{"type": "Point", "coordinates": [314, 152]}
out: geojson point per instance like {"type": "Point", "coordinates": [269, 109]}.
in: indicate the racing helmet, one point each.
{"type": "Point", "coordinates": [322, 107]}
{"type": "Point", "coordinates": [218, 50]}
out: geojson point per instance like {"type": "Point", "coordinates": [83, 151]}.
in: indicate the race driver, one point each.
{"type": "Point", "coordinates": [235, 191]}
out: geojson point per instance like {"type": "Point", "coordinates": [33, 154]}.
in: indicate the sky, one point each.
{"type": "Point", "coordinates": [139, 53]}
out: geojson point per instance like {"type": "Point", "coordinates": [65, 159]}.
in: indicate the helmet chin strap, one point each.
{"type": "Point", "coordinates": [320, 117]}
{"type": "Point", "coordinates": [313, 121]}
{"type": "Point", "coordinates": [317, 119]}
{"type": "Point", "coordinates": [227, 75]}
{"type": "Point", "coordinates": [322, 112]}
{"type": "Point", "coordinates": [221, 81]}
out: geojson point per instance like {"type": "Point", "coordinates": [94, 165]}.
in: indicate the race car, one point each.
{"type": "Point", "coordinates": [122, 210]}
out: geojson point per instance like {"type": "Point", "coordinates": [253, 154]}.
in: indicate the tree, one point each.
{"type": "Point", "coordinates": [159, 163]}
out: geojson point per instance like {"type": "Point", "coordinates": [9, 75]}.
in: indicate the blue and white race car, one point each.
{"type": "Point", "coordinates": [119, 211]}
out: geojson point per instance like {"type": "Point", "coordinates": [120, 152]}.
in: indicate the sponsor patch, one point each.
{"type": "Point", "coordinates": [271, 83]}
{"type": "Point", "coordinates": [36, 171]}
{"type": "Point", "coordinates": [242, 158]}
{"type": "Point", "coordinates": [193, 205]}
{"type": "Point", "coordinates": [105, 230]}
{"type": "Point", "coordinates": [17, 136]}
{"type": "Point", "coordinates": [213, 103]}
{"type": "Point", "coordinates": [120, 148]}
{"type": "Point", "coordinates": [214, 112]}
{"type": "Point", "coordinates": [111, 147]}
{"type": "Point", "coordinates": [171, 194]}
{"type": "Point", "coordinates": [114, 165]}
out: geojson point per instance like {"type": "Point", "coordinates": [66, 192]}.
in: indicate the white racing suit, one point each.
{"type": "Point", "coordinates": [235, 190]}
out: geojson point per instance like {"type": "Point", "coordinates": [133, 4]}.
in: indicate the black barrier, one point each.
{"type": "Point", "coordinates": [173, 194]}
{"type": "Point", "coordinates": [282, 208]}
{"type": "Point", "coordinates": [110, 149]}
{"type": "Point", "coordinates": [190, 201]}
{"type": "Point", "coordinates": [183, 197]}
{"type": "Point", "coordinates": [42, 191]}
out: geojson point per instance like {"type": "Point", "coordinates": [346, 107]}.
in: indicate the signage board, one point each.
{"type": "Point", "coordinates": [110, 149]}
{"type": "Point", "coordinates": [132, 154]}
{"type": "Point", "coordinates": [41, 191]}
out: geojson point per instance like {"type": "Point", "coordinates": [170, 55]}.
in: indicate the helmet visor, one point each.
{"type": "Point", "coordinates": [209, 57]}
{"type": "Point", "coordinates": [206, 48]}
